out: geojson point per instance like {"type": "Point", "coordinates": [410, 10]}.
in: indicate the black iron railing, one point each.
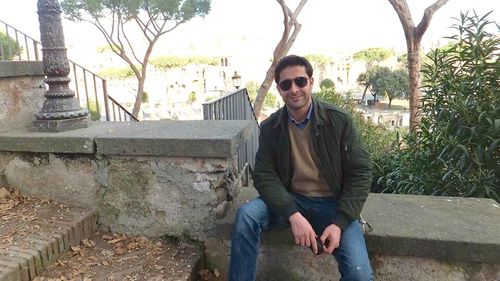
{"type": "Point", "coordinates": [90, 88]}
{"type": "Point", "coordinates": [237, 106]}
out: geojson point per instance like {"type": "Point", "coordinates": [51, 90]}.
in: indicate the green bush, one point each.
{"type": "Point", "coordinates": [252, 88]}
{"type": "Point", "coordinates": [327, 83]}
{"type": "Point", "coordinates": [119, 73]}
{"type": "Point", "coordinates": [92, 107]}
{"type": "Point", "coordinates": [169, 62]}
{"type": "Point", "coordinates": [378, 141]}
{"type": "Point", "coordinates": [191, 98]}
{"type": "Point", "coordinates": [145, 97]}
{"type": "Point", "coordinates": [270, 101]}
{"type": "Point", "coordinates": [329, 95]}
{"type": "Point", "coordinates": [10, 48]}
{"type": "Point", "coordinates": [318, 59]}
{"type": "Point", "coordinates": [456, 152]}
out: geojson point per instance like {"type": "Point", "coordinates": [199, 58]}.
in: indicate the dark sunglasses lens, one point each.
{"type": "Point", "coordinates": [285, 85]}
{"type": "Point", "coordinates": [301, 82]}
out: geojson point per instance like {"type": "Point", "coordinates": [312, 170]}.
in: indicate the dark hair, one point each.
{"type": "Point", "coordinates": [292, 60]}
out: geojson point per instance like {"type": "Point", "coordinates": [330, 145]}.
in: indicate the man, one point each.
{"type": "Point", "coordinates": [311, 172]}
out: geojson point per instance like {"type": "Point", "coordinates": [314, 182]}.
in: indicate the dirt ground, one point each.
{"type": "Point", "coordinates": [105, 256]}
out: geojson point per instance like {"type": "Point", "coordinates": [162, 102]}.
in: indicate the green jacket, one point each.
{"type": "Point", "coordinates": [339, 156]}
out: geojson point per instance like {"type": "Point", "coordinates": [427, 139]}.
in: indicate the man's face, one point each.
{"type": "Point", "coordinates": [295, 87]}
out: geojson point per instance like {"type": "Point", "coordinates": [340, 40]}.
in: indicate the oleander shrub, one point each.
{"type": "Point", "coordinates": [456, 152]}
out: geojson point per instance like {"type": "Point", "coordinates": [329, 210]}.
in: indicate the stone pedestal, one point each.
{"type": "Point", "coordinates": [60, 111]}
{"type": "Point", "coordinates": [60, 125]}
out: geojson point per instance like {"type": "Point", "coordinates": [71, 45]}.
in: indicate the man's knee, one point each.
{"type": "Point", "coordinates": [249, 216]}
{"type": "Point", "coordinates": [243, 214]}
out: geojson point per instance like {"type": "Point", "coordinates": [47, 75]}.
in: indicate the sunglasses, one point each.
{"type": "Point", "coordinates": [300, 81]}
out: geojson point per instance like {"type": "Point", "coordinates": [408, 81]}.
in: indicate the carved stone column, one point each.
{"type": "Point", "coordinates": [61, 110]}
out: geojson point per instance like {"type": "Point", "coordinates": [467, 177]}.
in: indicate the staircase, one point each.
{"type": "Point", "coordinates": [34, 233]}
{"type": "Point", "coordinates": [90, 89]}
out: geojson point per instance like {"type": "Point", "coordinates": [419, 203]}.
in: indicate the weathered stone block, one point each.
{"type": "Point", "coordinates": [10, 273]}
{"type": "Point", "coordinates": [29, 256]}
{"type": "Point", "coordinates": [15, 267]}
{"type": "Point", "coordinates": [21, 98]}
{"type": "Point", "coordinates": [163, 195]}
{"type": "Point", "coordinates": [395, 268]}
{"type": "Point", "coordinates": [55, 177]}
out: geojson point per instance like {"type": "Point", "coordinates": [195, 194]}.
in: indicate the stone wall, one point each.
{"type": "Point", "coordinates": [21, 93]}
{"type": "Point", "coordinates": [137, 187]}
{"type": "Point", "coordinates": [151, 196]}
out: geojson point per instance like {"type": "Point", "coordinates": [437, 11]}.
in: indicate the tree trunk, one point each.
{"type": "Point", "coordinates": [364, 92]}
{"type": "Point", "coordinates": [284, 45]}
{"type": "Point", "coordinates": [141, 80]}
{"type": "Point", "coordinates": [374, 98]}
{"type": "Point", "coordinates": [414, 64]}
{"type": "Point", "coordinates": [264, 88]}
{"type": "Point", "coordinates": [139, 96]}
{"type": "Point", "coordinates": [413, 37]}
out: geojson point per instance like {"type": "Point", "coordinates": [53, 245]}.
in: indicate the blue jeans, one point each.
{"type": "Point", "coordinates": [255, 217]}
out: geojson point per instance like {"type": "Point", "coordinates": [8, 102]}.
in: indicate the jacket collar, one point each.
{"type": "Point", "coordinates": [318, 115]}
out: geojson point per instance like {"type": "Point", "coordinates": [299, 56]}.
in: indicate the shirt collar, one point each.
{"type": "Point", "coordinates": [304, 123]}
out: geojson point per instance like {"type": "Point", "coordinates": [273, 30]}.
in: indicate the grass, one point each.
{"type": "Point", "coordinates": [395, 105]}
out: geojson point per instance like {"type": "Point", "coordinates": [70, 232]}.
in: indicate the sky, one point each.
{"type": "Point", "coordinates": [252, 28]}
{"type": "Point", "coordinates": [326, 25]}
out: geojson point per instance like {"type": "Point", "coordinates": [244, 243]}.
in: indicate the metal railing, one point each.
{"type": "Point", "coordinates": [237, 106]}
{"type": "Point", "coordinates": [90, 89]}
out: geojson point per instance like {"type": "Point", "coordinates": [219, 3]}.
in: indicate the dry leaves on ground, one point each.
{"type": "Point", "coordinates": [9, 198]}
{"type": "Point", "coordinates": [120, 257]}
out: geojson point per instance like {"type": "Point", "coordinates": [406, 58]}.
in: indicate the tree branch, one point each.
{"type": "Point", "coordinates": [170, 29]}
{"type": "Point", "coordinates": [296, 26]}
{"type": "Point", "coordinates": [277, 51]}
{"type": "Point", "coordinates": [130, 45]}
{"type": "Point", "coordinates": [281, 49]}
{"type": "Point", "coordinates": [404, 15]}
{"type": "Point", "coordinates": [115, 47]}
{"type": "Point", "coordinates": [152, 20]}
{"type": "Point", "coordinates": [144, 28]}
{"type": "Point", "coordinates": [299, 9]}
{"type": "Point", "coordinates": [426, 18]}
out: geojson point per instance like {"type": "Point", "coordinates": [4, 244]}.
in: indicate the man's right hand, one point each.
{"type": "Point", "coordinates": [303, 232]}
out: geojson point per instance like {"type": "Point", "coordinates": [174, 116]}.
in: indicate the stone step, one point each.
{"type": "Point", "coordinates": [34, 233]}
{"type": "Point", "coordinates": [414, 237]}
{"type": "Point", "coordinates": [279, 258]}
{"type": "Point", "coordinates": [111, 256]}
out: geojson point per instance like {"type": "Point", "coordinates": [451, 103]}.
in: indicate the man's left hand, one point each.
{"type": "Point", "coordinates": [332, 235]}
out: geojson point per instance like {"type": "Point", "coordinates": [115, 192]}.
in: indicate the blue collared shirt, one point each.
{"type": "Point", "coordinates": [304, 123]}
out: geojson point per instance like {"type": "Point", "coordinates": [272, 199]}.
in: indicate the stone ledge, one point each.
{"type": "Point", "coordinates": [442, 228]}
{"type": "Point", "coordinates": [445, 228]}
{"type": "Point", "coordinates": [24, 141]}
{"type": "Point", "coordinates": [20, 68]}
{"type": "Point", "coordinates": [201, 138]}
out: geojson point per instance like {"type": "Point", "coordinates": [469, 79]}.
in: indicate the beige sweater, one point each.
{"type": "Point", "coordinates": [306, 178]}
